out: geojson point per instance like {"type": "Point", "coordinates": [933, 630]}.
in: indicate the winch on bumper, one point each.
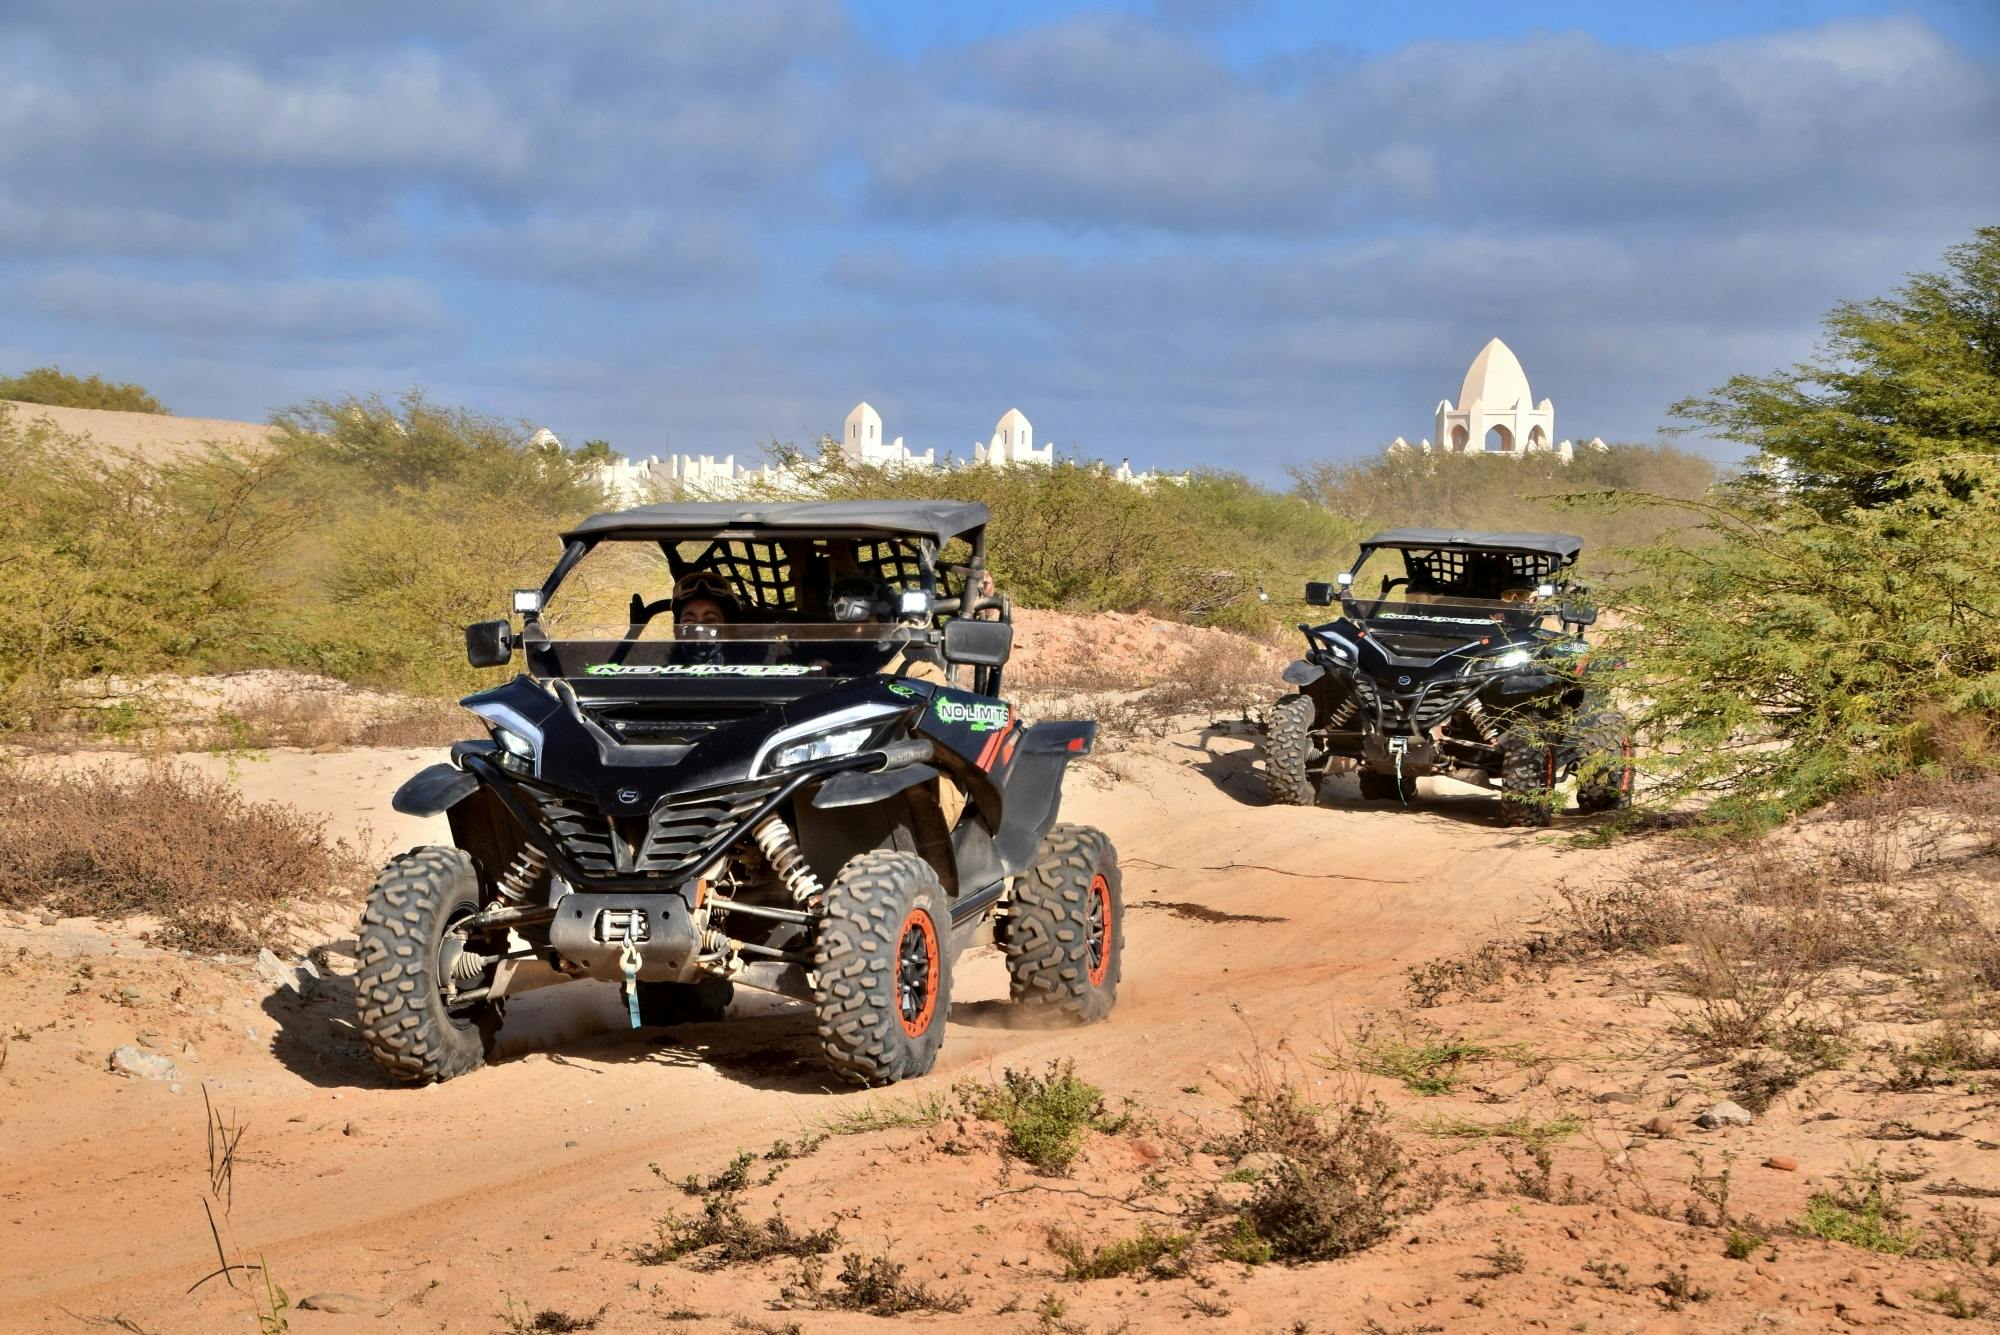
{"type": "Point", "coordinates": [1406, 755]}
{"type": "Point", "coordinates": [589, 934]}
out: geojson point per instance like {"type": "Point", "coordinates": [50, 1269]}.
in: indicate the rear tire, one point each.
{"type": "Point", "coordinates": [1604, 769]}
{"type": "Point", "coordinates": [1065, 928]}
{"type": "Point", "coordinates": [399, 985]}
{"type": "Point", "coordinates": [1288, 753]}
{"type": "Point", "coordinates": [883, 969]}
{"type": "Point", "coordinates": [1527, 780]}
{"type": "Point", "coordinates": [704, 1001]}
{"type": "Point", "coordinates": [1387, 788]}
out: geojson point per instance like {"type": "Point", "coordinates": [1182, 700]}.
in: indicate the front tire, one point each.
{"type": "Point", "coordinates": [1605, 772]}
{"type": "Point", "coordinates": [1288, 753]}
{"type": "Point", "coordinates": [883, 965]}
{"type": "Point", "coordinates": [400, 986]}
{"type": "Point", "coordinates": [1065, 929]}
{"type": "Point", "coordinates": [1527, 780]}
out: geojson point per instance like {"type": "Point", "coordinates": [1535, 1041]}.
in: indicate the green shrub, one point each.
{"type": "Point", "coordinates": [1047, 1117]}
{"type": "Point", "coordinates": [1900, 381]}
{"type": "Point", "coordinates": [1863, 1218]}
{"type": "Point", "coordinates": [1799, 656]}
{"type": "Point", "coordinates": [59, 389]}
{"type": "Point", "coordinates": [118, 565]}
{"type": "Point", "coordinates": [1162, 1255]}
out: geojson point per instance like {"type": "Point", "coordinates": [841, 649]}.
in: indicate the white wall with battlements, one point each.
{"type": "Point", "coordinates": [863, 442]}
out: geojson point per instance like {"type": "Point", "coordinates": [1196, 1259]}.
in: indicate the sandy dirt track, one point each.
{"type": "Point", "coordinates": [1248, 927]}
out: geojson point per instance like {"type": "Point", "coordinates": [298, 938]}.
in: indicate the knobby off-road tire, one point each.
{"type": "Point", "coordinates": [704, 1001]}
{"type": "Point", "coordinates": [883, 969]}
{"type": "Point", "coordinates": [402, 1014]}
{"type": "Point", "coordinates": [1288, 752]}
{"type": "Point", "coordinates": [1604, 771]}
{"type": "Point", "coordinates": [1065, 929]}
{"type": "Point", "coordinates": [1386, 788]}
{"type": "Point", "coordinates": [1527, 780]}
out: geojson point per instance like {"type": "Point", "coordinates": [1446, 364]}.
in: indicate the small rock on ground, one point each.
{"type": "Point", "coordinates": [1725, 1114]}
{"type": "Point", "coordinates": [128, 1060]}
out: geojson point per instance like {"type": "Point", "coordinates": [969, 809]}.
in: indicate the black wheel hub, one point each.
{"type": "Point", "coordinates": [913, 973]}
{"type": "Point", "coordinates": [1099, 929]}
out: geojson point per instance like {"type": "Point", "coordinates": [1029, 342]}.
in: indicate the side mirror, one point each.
{"type": "Point", "coordinates": [1319, 594]}
{"type": "Point", "coordinates": [978, 643]}
{"type": "Point", "coordinates": [489, 643]}
{"type": "Point", "coordinates": [1577, 615]}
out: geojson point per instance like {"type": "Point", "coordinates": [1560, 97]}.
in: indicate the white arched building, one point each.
{"type": "Point", "coordinates": [861, 442]}
{"type": "Point", "coordinates": [1013, 443]}
{"type": "Point", "coordinates": [1496, 413]}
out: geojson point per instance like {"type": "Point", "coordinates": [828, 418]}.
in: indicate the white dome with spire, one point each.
{"type": "Point", "coordinates": [1495, 379]}
{"type": "Point", "coordinates": [1496, 412]}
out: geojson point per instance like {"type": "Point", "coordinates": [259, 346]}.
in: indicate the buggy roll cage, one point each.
{"type": "Point", "coordinates": [897, 543]}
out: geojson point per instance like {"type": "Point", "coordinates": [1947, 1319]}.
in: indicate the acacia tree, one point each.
{"type": "Point", "coordinates": [1839, 621]}
{"type": "Point", "coordinates": [1900, 380]}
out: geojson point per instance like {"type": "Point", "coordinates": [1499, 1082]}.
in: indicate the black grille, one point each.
{"type": "Point", "coordinates": [1413, 711]}
{"type": "Point", "coordinates": [681, 828]}
{"type": "Point", "coordinates": [585, 836]}
{"type": "Point", "coordinates": [686, 823]}
{"type": "Point", "coordinates": [681, 723]}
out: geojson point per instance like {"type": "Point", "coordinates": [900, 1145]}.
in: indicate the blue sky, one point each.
{"type": "Point", "coordinates": [1241, 232]}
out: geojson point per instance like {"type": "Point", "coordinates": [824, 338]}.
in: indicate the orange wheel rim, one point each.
{"type": "Point", "coordinates": [1100, 930]}
{"type": "Point", "coordinates": [916, 973]}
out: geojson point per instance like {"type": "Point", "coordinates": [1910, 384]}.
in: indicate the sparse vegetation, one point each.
{"type": "Point", "coordinates": [1157, 1253]}
{"type": "Point", "coordinates": [876, 1285]}
{"type": "Point", "coordinates": [1047, 1117]}
{"type": "Point", "coordinates": [721, 1237]}
{"type": "Point", "coordinates": [1863, 1212]}
{"type": "Point", "coordinates": [220, 872]}
{"type": "Point", "coordinates": [1336, 1181]}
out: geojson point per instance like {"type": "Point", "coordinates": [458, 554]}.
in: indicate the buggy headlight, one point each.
{"type": "Point", "coordinates": [513, 743]}
{"type": "Point", "coordinates": [1513, 658]}
{"type": "Point", "coordinates": [826, 746]}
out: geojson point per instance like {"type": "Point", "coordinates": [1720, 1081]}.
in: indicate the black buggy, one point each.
{"type": "Point", "coordinates": [1449, 666]}
{"type": "Point", "coordinates": [818, 792]}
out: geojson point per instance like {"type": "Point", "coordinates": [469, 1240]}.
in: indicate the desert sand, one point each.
{"type": "Point", "coordinates": [1255, 937]}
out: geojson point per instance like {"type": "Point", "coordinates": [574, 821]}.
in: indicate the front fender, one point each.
{"type": "Point", "coordinates": [433, 790]}
{"type": "Point", "coordinates": [1303, 672]}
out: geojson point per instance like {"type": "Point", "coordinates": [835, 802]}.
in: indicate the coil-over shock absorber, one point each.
{"type": "Point", "coordinates": [1343, 712]}
{"type": "Point", "coordinates": [788, 860]}
{"type": "Point", "coordinates": [525, 875]}
{"type": "Point", "coordinates": [1477, 713]}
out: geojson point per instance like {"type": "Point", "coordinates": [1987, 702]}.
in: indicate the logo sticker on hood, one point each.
{"type": "Point", "coordinates": [698, 670]}
{"type": "Point", "coordinates": [977, 717]}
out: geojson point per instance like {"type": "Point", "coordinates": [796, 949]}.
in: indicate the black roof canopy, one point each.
{"type": "Point", "coordinates": [940, 521]}
{"type": "Point", "coordinates": [1563, 545]}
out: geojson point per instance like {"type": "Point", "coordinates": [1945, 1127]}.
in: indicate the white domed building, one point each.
{"type": "Point", "coordinates": [1496, 413]}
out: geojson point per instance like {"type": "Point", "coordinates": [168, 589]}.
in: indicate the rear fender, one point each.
{"type": "Point", "coordinates": [1034, 789]}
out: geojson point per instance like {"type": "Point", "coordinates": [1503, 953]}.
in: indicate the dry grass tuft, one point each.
{"type": "Point", "coordinates": [220, 872]}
